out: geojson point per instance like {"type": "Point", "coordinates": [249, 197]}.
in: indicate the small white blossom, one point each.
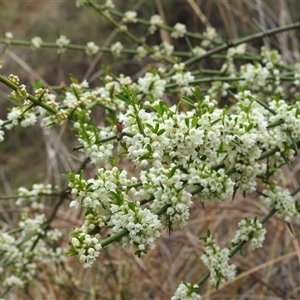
{"type": "Point", "coordinates": [91, 48]}
{"type": "Point", "coordinates": [13, 281]}
{"type": "Point", "coordinates": [129, 17]}
{"type": "Point", "coordinates": [250, 230]}
{"type": "Point", "coordinates": [179, 31]}
{"type": "Point", "coordinates": [183, 78]}
{"type": "Point", "coordinates": [281, 199]}
{"type": "Point", "coordinates": [209, 35]}
{"type": "Point", "coordinates": [217, 261]}
{"type": "Point", "coordinates": [8, 36]}
{"type": "Point", "coordinates": [109, 4]}
{"type": "Point", "coordinates": [36, 42]}
{"type": "Point", "coordinates": [80, 3]}
{"type": "Point", "coordinates": [62, 41]}
{"type": "Point", "coordinates": [116, 49]}
{"type": "Point", "coordinates": [143, 226]}
{"type": "Point", "coordinates": [152, 84]}
{"type": "Point", "coordinates": [141, 53]}
{"type": "Point", "coordinates": [1, 136]}
{"type": "Point", "coordinates": [198, 51]}
{"type": "Point", "coordinates": [186, 291]}
{"type": "Point", "coordinates": [155, 22]}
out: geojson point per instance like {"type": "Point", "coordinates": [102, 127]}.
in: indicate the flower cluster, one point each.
{"type": "Point", "coordinates": [129, 17]}
{"type": "Point", "coordinates": [91, 48]}
{"type": "Point", "coordinates": [179, 31]}
{"type": "Point", "coordinates": [32, 198]}
{"type": "Point", "coordinates": [217, 262]}
{"type": "Point", "coordinates": [62, 42]}
{"type": "Point", "coordinates": [161, 51]}
{"type": "Point", "coordinates": [116, 49]}
{"type": "Point", "coordinates": [183, 79]}
{"type": "Point", "coordinates": [86, 247]}
{"type": "Point", "coordinates": [152, 84]}
{"type": "Point", "coordinates": [255, 76]}
{"type": "Point", "coordinates": [18, 251]}
{"type": "Point", "coordinates": [167, 187]}
{"type": "Point", "coordinates": [8, 37]}
{"type": "Point", "coordinates": [281, 199]}
{"type": "Point", "coordinates": [186, 291]}
{"type": "Point", "coordinates": [80, 3]}
{"type": "Point", "coordinates": [250, 230]}
{"type": "Point", "coordinates": [91, 137]}
{"type": "Point", "coordinates": [1, 131]}
{"type": "Point", "coordinates": [94, 193]}
{"type": "Point", "coordinates": [36, 42]}
{"type": "Point", "coordinates": [106, 205]}
{"type": "Point", "coordinates": [215, 185]}
{"type": "Point", "coordinates": [229, 66]}
{"type": "Point", "coordinates": [142, 225]}
{"type": "Point", "coordinates": [17, 116]}
{"type": "Point", "coordinates": [155, 22]}
{"type": "Point", "coordinates": [209, 35]}
{"type": "Point", "coordinates": [194, 149]}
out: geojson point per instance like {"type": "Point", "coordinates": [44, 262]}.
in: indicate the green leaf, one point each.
{"type": "Point", "coordinates": [172, 172]}
{"type": "Point", "coordinates": [149, 148]}
{"type": "Point", "coordinates": [197, 92]}
{"type": "Point", "coordinates": [160, 132]}
{"type": "Point", "coordinates": [123, 98]}
{"type": "Point", "coordinates": [188, 100]}
{"type": "Point", "coordinates": [151, 127]}
{"type": "Point", "coordinates": [187, 122]}
{"type": "Point", "coordinates": [72, 251]}
{"type": "Point", "coordinates": [132, 206]}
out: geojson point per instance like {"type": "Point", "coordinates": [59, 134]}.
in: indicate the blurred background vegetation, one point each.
{"type": "Point", "coordinates": [270, 273]}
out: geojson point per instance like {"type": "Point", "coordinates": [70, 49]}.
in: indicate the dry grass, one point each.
{"type": "Point", "coordinates": [271, 272]}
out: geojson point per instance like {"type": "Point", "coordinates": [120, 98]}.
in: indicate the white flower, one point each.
{"type": "Point", "coordinates": [185, 291]}
{"type": "Point", "coordinates": [167, 48]}
{"type": "Point", "coordinates": [80, 3]}
{"type": "Point", "coordinates": [116, 49]}
{"type": "Point", "coordinates": [8, 36]}
{"type": "Point", "coordinates": [250, 229]}
{"type": "Point", "coordinates": [183, 78]}
{"type": "Point", "coordinates": [155, 22]}
{"type": "Point", "coordinates": [109, 4]}
{"type": "Point", "coordinates": [217, 261]}
{"type": "Point", "coordinates": [1, 135]}
{"type": "Point", "coordinates": [13, 281]}
{"type": "Point", "coordinates": [255, 76]}
{"type": "Point", "coordinates": [141, 53]}
{"type": "Point", "coordinates": [129, 17]}
{"type": "Point", "coordinates": [152, 84]}
{"type": "Point", "coordinates": [13, 116]}
{"type": "Point", "coordinates": [36, 42]}
{"type": "Point", "coordinates": [198, 51]}
{"type": "Point", "coordinates": [179, 31]}
{"type": "Point", "coordinates": [29, 118]}
{"type": "Point", "coordinates": [236, 51]}
{"type": "Point", "coordinates": [143, 226]}
{"type": "Point", "coordinates": [91, 48]}
{"type": "Point", "coordinates": [281, 199]}
{"type": "Point", "coordinates": [210, 34]}
{"type": "Point", "coordinates": [62, 41]}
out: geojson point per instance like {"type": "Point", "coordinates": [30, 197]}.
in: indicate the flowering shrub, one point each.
{"type": "Point", "coordinates": [182, 151]}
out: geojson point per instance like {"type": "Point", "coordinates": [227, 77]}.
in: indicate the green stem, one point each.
{"type": "Point", "coordinates": [30, 97]}
{"type": "Point", "coordinates": [250, 38]}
